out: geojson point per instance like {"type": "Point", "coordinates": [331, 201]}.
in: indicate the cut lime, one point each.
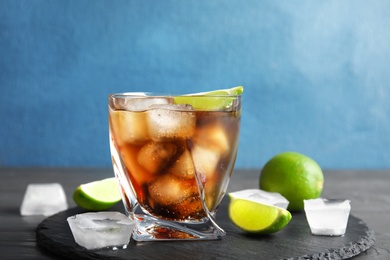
{"type": "Point", "coordinates": [214, 100]}
{"type": "Point", "coordinates": [220, 92]}
{"type": "Point", "coordinates": [249, 213]}
{"type": "Point", "coordinates": [97, 195]}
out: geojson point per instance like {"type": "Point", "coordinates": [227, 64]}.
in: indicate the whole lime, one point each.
{"type": "Point", "coordinates": [293, 175]}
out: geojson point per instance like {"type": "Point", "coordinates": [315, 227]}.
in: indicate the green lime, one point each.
{"type": "Point", "coordinates": [295, 176]}
{"type": "Point", "coordinates": [254, 213]}
{"type": "Point", "coordinates": [97, 195]}
{"type": "Point", "coordinates": [215, 100]}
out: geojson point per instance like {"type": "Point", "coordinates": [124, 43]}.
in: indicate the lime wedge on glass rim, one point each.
{"type": "Point", "coordinates": [218, 99]}
{"type": "Point", "coordinates": [97, 195]}
{"type": "Point", "coordinates": [253, 214]}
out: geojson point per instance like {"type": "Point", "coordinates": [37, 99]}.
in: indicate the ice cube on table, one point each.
{"type": "Point", "coordinates": [171, 121]}
{"type": "Point", "coordinates": [96, 230]}
{"type": "Point", "coordinates": [43, 199]}
{"type": "Point", "coordinates": [327, 217]}
{"type": "Point", "coordinates": [261, 196]}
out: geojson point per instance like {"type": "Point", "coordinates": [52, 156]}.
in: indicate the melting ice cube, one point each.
{"type": "Point", "coordinates": [101, 229]}
{"type": "Point", "coordinates": [327, 217]}
{"type": "Point", "coordinates": [43, 199]}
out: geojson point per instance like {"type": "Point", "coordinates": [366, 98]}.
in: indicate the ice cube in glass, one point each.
{"type": "Point", "coordinates": [120, 121]}
{"type": "Point", "coordinates": [144, 103]}
{"type": "Point", "coordinates": [327, 217]}
{"type": "Point", "coordinates": [171, 121]}
{"type": "Point", "coordinates": [175, 198]}
{"type": "Point", "coordinates": [131, 113]}
{"type": "Point", "coordinates": [43, 199]}
{"type": "Point", "coordinates": [213, 137]}
{"type": "Point", "coordinates": [96, 230]}
{"type": "Point", "coordinates": [154, 156]}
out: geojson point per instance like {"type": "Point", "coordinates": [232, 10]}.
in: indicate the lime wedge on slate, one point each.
{"type": "Point", "coordinates": [248, 213]}
{"type": "Point", "coordinates": [97, 195]}
{"type": "Point", "coordinates": [218, 99]}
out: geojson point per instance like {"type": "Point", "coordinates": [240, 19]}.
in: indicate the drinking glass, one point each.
{"type": "Point", "coordinates": [173, 156]}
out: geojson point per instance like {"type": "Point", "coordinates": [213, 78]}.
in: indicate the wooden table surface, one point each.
{"type": "Point", "coordinates": [369, 192]}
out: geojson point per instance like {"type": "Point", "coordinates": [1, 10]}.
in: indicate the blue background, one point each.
{"type": "Point", "coordinates": [316, 74]}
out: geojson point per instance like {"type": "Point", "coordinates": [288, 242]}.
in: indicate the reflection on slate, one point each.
{"type": "Point", "coordinates": [293, 242]}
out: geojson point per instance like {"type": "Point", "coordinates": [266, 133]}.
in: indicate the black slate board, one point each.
{"type": "Point", "coordinates": [293, 242]}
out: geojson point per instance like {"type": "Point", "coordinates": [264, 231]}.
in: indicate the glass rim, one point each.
{"type": "Point", "coordinates": [159, 94]}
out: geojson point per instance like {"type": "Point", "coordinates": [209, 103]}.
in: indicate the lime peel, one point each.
{"type": "Point", "coordinates": [253, 216]}
{"type": "Point", "coordinates": [221, 92]}
{"type": "Point", "coordinates": [97, 195]}
{"type": "Point", "coordinates": [214, 100]}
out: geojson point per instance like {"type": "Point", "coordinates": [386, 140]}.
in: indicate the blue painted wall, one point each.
{"type": "Point", "coordinates": [316, 74]}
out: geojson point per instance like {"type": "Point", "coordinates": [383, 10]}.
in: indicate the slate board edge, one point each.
{"type": "Point", "coordinates": [349, 250]}
{"type": "Point", "coordinates": [343, 253]}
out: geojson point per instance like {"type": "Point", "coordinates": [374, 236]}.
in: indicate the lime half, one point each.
{"type": "Point", "coordinates": [248, 213]}
{"type": "Point", "coordinates": [215, 100]}
{"type": "Point", "coordinates": [97, 195]}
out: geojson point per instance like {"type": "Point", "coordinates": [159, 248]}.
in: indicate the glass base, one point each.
{"type": "Point", "coordinates": [152, 229]}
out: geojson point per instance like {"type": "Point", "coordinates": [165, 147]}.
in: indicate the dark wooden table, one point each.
{"type": "Point", "coordinates": [369, 192]}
